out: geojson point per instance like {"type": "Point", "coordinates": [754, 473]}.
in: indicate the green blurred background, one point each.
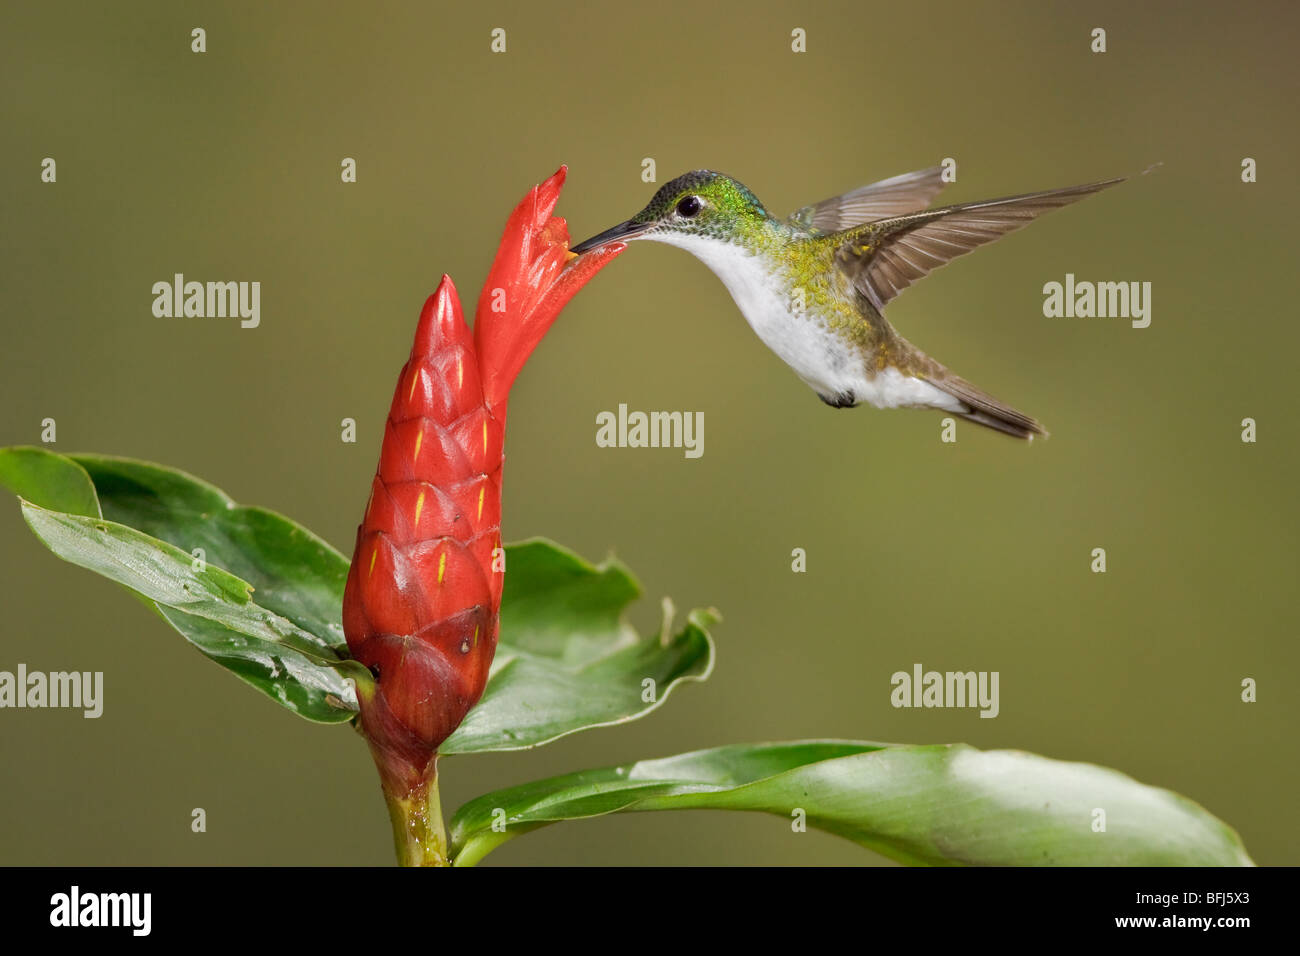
{"type": "Point", "coordinates": [225, 166]}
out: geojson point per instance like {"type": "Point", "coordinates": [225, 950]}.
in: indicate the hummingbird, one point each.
{"type": "Point", "coordinates": [814, 286]}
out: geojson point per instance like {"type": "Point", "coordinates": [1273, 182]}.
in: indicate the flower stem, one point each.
{"type": "Point", "coordinates": [418, 831]}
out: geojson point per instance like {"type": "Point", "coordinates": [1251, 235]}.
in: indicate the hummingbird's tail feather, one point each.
{"type": "Point", "coordinates": [983, 409]}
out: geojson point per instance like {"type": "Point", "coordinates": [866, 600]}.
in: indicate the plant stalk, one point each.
{"type": "Point", "coordinates": [418, 831]}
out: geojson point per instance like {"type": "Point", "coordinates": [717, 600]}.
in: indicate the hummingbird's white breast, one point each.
{"type": "Point", "coordinates": [804, 341]}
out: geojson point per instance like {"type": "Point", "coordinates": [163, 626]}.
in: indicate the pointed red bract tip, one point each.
{"type": "Point", "coordinates": [548, 192]}
{"type": "Point", "coordinates": [441, 320]}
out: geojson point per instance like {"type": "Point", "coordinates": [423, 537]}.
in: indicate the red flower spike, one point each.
{"type": "Point", "coordinates": [419, 606]}
{"type": "Point", "coordinates": [421, 603]}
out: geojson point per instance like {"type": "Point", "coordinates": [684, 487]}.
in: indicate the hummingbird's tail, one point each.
{"type": "Point", "coordinates": [983, 409]}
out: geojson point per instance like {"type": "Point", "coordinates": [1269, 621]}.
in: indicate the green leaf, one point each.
{"type": "Point", "coordinates": [561, 607]}
{"type": "Point", "coordinates": [940, 804]}
{"type": "Point", "coordinates": [212, 608]}
{"type": "Point", "coordinates": [297, 577]}
{"type": "Point", "coordinates": [48, 480]}
{"type": "Point", "coordinates": [294, 573]}
{"type": "Point", "coordinates": [567, 660]}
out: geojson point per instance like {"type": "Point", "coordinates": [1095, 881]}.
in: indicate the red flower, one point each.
{"type": "Point", "coordinates": [424, 589]}
{"type": "Point", "coordinates": [527, 287]}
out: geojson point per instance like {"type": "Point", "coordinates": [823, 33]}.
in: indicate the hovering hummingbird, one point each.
{"type": "Point", "coordinates": [814, 286]}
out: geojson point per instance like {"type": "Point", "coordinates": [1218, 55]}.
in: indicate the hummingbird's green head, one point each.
{"type": "Point", "coordinates": [700, 203]}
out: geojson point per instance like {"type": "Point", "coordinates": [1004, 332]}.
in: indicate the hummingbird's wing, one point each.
{"type": "Point", "coordinates": [883, 258]}
{"type": "Point", "coordinates": [883, 200]}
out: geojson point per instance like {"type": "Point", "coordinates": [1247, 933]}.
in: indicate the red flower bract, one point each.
{"type": "Point", "coordinates": [527, 287]}
{"type": "Point", "coordinates": [421, 604]}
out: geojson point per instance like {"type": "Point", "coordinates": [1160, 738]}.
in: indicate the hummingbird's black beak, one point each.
{"type": "Point", "coordinates": [624, 230]}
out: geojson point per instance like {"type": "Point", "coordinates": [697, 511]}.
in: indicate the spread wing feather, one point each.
{"type": "Point", "coordinates": [883, 200]}
{"type": "Point", "coordinates": [885, 257]}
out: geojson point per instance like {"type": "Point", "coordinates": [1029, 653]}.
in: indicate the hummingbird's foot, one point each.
{"type": "Point", "coordinates": [840, 399]}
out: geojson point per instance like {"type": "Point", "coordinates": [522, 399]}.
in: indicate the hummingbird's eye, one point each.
{"type": "Point", "coordinates": [689, 206]}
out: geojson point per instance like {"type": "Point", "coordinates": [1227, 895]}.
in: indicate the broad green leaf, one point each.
{"type": "Point", "coordinates": [561, 607]}
{"type": "Point", "coordinates": [294, 573]}
{"type": "Point", "coordinates": [296, 576]}
{"type": "Point", "coordinates": [939, 804]}
{"type": "Point", "coordinates": [567, 660]}
{"type": "Point", "coordinates": [212, 608]}
{"type": "Point", "coordinates": [532, 699]}
{"type": "Point", "coordinates": [48, 480]}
